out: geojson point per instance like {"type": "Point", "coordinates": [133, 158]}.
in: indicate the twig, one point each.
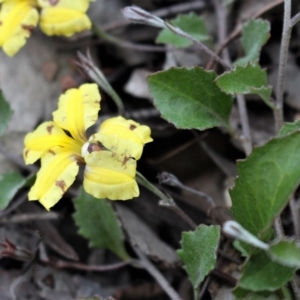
{"type": "Point", "coordinates": [14, 205]}
{"type": "Point", "coordinates": [61, 264]}
{"type": "Point", "coordinates": [284, 48]}
{"type": "Point", "coordinates": [204, 287]}
{"type": "Point", "coordinates": [160, 279]}
{"type": "Point", "coordinates": [165, 201]}
{"type": "Point", "coordinates": [30, 217]}
{"type": "Point", "coordinates": [226, 277]}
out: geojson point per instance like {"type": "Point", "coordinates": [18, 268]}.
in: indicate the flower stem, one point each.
{"type": "Point", "coordinates": [96, 74]}
{"type": "Point", "coordinates": [200, 45]}
{"type": "Point", "coordinates": [196, 293]}
{"type": "Point", "coordinates": [166, 200]}
{"type": "Point", "coordinates": [284, 48]}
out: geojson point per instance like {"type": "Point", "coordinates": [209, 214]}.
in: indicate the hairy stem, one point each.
{"type": "Point", "coordinates": [284, 48]}
{"type": "Point", "coordinates": [166, 201]}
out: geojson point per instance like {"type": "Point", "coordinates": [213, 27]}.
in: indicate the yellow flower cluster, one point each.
{"type": "Point", "coordinates": [56, 17]}
{"type": "Point", "coordinates": [109, 155]}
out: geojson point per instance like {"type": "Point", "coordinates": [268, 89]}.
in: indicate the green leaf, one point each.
{"type": "Point", "coordinates": [191, 24]}
{"type": "Point", "coordinates": [248, 79]}
{"type": "Point", "coordinates": [5, 113]}
{"type": "Point", "coordinates": [255, 34]}
{"type": "Point", "coordinates": [266, 179]}
{"type": "Point", "coordinates": [198, 252]}
{"type": "Point", "coordinates": [98, 223]}
{"type": "Point", "coordinates": [289, 128]}
{"type": "Point", "coordinates": [286, 252]}
{"type": "Point", "coordinates": [262, 274]}
{"type": "Point", "coordinates": [189, 98]}
{"type": "Point", "coordinates": [10, 183]}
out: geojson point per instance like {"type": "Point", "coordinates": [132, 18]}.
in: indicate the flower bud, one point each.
{"type": "Point", "coordinates": [135, 14]}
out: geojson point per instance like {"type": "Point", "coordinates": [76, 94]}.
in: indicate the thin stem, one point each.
{"type": "Point", "coordinates": [204, 287]}
{"type": "Point", "coordinates": [148, 185]}
{"type": "Point", "coordinates": [246, 140]}
{"type": "Point", "coordinates": [278, 228]}
{"type": "Point", "coordinates": [172, 180]}
{"type": "Point", "coordinates": [202, 47]}
{"type": "Point", "coordinates": [295, 19]}
{"type": "Point", "coordinates": [295, 217]}
{"type": "Point", "coordinates": [196, 293]}
{"type": "Point", "coordinates": [96, 74]}
{"type": "Point", "coordinates": [163, 12]}
{"type": "Point", "coordinates": [221, 13]}
{"type": "Point", "coordinates": [120, 43]}
{"type": "Point", "coordinates": [284, 48]}
{"type": "Point", "coordinates": [166, 201]}
{"type": "Point", "coordinates": [61, 264]}
{"type": "Point", "coordinates": [160, 279]}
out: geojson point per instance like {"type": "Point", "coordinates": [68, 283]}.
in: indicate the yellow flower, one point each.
{"type": "Point", "coordinates": [109, 155]}
{"type": "Point", "coordinates": [57, 17]}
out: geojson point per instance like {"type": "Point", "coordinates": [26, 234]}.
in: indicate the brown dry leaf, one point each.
{"type": "Point", "coordinates": [50, 235]}
{"type": "Point", "coordinates": [141, 235]}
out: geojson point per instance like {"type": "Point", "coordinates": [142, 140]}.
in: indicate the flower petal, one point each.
{"type": "Point", "coordinates": [57, 173]}
{"type": "Point", "coordinates": [78, 5]}
{"type": "Point", "coordinates": [110, 176]}
{"type": "Point", "coordinates": [123, 136]}
{"type": "Point", "coordinates": [64, 17]}
{"type": "Point", "coordinates": [47, 136]}
{"type": "Point", "coordinates": [78, 110]}
{"type": "Point", "coordinates": [17, 19]}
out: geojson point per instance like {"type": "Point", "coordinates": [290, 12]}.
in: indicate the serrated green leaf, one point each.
{"type": "Point", "coordinates": [189, 98]}
{"type": "Point", "coordinates": [98, 223]}
{"type": "Point", "coordinates": [10, 183]}
{"type": "Point", "coordinates": [289, 128]}
{"type": "Point", "coordinates": [255, 34]}
{"type": "Point", "coordinates": [286, 252]}
{"type": "Point", "coordinates": [260, 273]}
{"type": "Point", "coordinates": [5, 113]}
{"type": "Point", "coordinates": [266, 179]}
{"type": "Point", "coordinates": [248, 79]}
{"type": "Point", "coordinates": [198, 252]}
{"type": "Point", "coordinates": [191, 24]}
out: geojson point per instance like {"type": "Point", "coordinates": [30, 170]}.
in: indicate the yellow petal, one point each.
{"type": "Point", "coordinates": [64, 17]}
{"type": "Point", "coordinates": [78, 110]}
{"type": "Point", "coordinates": [57, 173]}
{"type": "Point", "coordinates": [123, 136]}
{"type": "Point", "coordinates": [78, 5]}
{"type": "Point", "coordinates": [110, 176]}
{"type": "Point", "coordinates": [47, 136]}
{"type": "Point", "coordinates": [17, 19]}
